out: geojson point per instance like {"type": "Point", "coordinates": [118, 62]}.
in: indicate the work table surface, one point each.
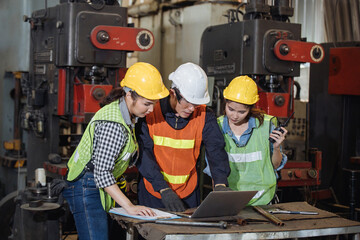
{"type": "Point", "coordinates": [257, 227]}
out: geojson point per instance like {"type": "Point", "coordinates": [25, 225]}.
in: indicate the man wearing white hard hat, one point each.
{"type": "Point", "coordinates": [171, 137]}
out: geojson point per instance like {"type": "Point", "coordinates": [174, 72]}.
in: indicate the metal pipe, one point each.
{"type": "Point", "coordinates": [220, 224]}
{"type": "Point", "coordinates": [353, 186]}
{"type": "Point", "coordinates": [218, 101]}
{"type": "Point", "coordinates": [272, 218]}
{"type": "Point", "coordinates": [17, 99]}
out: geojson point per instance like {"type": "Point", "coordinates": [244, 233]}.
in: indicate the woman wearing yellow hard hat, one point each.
{"type": "Point", "coordinates": [253, 159]}
{"type": "Point", "coordinates": [106, 148]}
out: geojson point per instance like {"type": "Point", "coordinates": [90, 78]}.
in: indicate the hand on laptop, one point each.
{"type": "Point", "coordinates": [221, 187]}
{"type": "Point", "coordinates": [171, 201]}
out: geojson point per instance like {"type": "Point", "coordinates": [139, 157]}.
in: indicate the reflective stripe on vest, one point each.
{"type": "Point", "coordinates": [174, 143]}
{"type": "Point", "coordinates": [251, 166]}
{"type": "Point", "coordinates": [247, 157]}
{"type": "Point", "coordinates": [175, 179]}
{"type": "Point", "coordinates": [176, 150]}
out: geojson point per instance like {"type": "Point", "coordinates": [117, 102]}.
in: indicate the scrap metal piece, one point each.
{"type": "Point", "coordinates": [279, 211]}
{"type": "Point", "coordinates": [272, 218]}
{"type": "Point", "coordinates": [241, 221]}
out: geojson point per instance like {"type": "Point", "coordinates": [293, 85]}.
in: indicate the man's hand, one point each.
{"type": "Point", "coordinates": [221, 187]}
{"type": "Point", "coordinates": [171, 201]}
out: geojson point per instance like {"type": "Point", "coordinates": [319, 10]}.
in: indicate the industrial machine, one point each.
{"type": "Point", "coordinates": [78, 52]}
{"type": "Point", "coordinates": [269, 49]}
{"type": "Point", "coordinates": [334, 124]}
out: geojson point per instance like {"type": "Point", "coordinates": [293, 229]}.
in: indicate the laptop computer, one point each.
{"type": "Point", "coordinates": [220, 204]}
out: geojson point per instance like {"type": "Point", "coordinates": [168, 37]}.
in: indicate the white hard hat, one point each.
{"type": "Point", "coordinates": [192, 82]}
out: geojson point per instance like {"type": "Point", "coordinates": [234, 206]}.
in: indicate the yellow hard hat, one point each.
{"type": "Point", "coordinates": [145, 80]}
{"type": "Point", "coordinates": [242, 90]}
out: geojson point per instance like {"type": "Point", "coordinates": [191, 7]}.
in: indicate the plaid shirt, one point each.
{"type": "Point", "coordinates": [109, 139]}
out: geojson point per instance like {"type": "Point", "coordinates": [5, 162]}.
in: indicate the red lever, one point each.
{"type": "Point", "coordinates": [297, 51]}
{"type": "Point", "coordinates": [122, 38]}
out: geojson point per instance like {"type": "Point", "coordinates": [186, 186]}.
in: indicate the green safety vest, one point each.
{"type": "Point", "coordinates": [83, 152]}
{"type": "Point", "coordinates": [251, 166]}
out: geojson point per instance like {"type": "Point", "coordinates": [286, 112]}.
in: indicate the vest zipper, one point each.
{"type": "Point", "coordinates": [176, 120]}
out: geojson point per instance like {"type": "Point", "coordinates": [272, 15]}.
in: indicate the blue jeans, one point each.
{"type": "Point", "coordinates": [84, 201]}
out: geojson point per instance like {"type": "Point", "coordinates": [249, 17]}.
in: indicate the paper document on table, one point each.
{"type": "Point", "coordinates": [159, 214]}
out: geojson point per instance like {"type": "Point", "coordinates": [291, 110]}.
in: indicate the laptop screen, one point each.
{"type": "Point", "coordinates": [220, 204]}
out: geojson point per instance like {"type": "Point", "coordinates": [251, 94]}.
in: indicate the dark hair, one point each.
{"type": "Point", "coordinates": [254, 112]}
{"type": "Point", "coordinates": [178, 95]}
{"type": "Point", "coordinates": [115, 94]}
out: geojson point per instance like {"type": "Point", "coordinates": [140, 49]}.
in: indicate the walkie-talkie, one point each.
{"type": "Point", "coordinates": [278, 128]}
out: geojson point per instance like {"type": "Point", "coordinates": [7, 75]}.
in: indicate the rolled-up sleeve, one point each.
{"type": "Point", "coordinates": [109, 139]}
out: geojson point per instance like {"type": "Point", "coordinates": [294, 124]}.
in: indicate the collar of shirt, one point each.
{"type": "Point", "coordinates": [244, 137]}
{"type": "Point", "coordinates": [125, 113]}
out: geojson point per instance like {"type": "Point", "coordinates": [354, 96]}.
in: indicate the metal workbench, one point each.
{"type": "Point", "coordinates": [257, 227]}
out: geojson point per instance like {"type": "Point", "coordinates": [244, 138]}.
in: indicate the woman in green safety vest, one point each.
{"type": "Point", "coordinates": [253, 159]}
{"type": "Point", "coordinates": [105, 150]}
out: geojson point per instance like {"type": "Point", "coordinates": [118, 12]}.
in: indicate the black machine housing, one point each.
{"type": "Point", "coordinates": [239, 48]}
{"type": "Point", "coordinates": [62, 57]}
{"type": "Point", "coordinates": [247, 48]}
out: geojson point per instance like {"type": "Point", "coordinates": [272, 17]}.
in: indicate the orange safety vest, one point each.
{"type": "Point", "coordinates": [176, 151]}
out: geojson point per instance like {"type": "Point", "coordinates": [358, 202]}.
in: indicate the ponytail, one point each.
{"type": "Point", "coordinates": [256, 113]}
{"type": "Point", "coordinates": [115, 94]}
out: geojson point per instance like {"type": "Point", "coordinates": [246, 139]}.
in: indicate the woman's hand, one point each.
{"type": "Point", "coordinates": [124, 202]}
{"type": "Point", "coordinates": [140, 210]}
{"type": "Point", "coordinates": [279, 137]}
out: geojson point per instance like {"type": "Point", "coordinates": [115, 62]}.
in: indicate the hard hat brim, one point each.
{"type": "Point", "coordinates": [151, 96]}
{"type": "Point", "coordinates": [158, 96]}
{"type": "Point", "coordinates": [242, 102]}
{"type": "Point", "coordinates": [198, 101]}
